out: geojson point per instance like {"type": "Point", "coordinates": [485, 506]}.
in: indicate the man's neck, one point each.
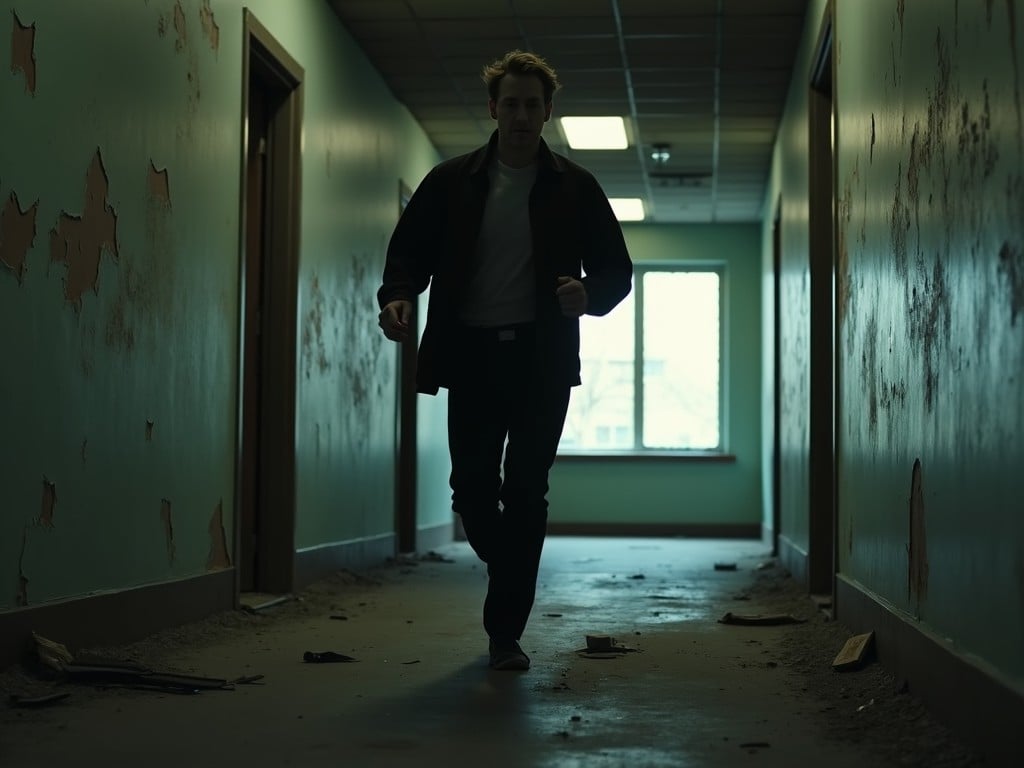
{"type": "Point", "coordinates": [517, 158]}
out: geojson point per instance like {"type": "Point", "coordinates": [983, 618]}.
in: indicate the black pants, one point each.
{"type": "Point", "coordinates": [500, 395]}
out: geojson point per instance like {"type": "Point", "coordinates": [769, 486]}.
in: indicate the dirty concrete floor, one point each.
{"type": "Point", "coordinates": [695, 693]}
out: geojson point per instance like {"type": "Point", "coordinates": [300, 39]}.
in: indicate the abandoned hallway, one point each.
{"type": "Point", "coordinates": [696, 692]}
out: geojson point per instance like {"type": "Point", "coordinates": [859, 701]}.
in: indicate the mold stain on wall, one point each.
{"type": "Point", "coordinates": [23, 51]}
{"type": "Point", "coordinates": [314, 348]}
{"type": "Point", "coordinates": [79, 241]}
{"type": "Point", "coordinates": [1011, 269]}
{"type": "Point", "coordinates": [17, 233]}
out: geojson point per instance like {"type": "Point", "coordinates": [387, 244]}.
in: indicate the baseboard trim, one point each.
{"type": "Point", "coordinates": [115, 618]}
{"type": "Point", "coordinates": [659, 530]}
{"type": "Point", "coordinates": [434, 536]}
{"type": "Point", "coordinates": [794, 559]}
{"type": "Point", "coordinates": [313, 563]}
{"type": "Point", "coordinates": [973, 700]}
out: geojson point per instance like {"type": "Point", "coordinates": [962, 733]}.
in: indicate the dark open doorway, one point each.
{"type": "Point", "coordinates": [271, 162]}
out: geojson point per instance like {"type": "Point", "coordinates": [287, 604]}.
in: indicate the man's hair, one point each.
{"type": "Point", "coordinates": [521, 63]}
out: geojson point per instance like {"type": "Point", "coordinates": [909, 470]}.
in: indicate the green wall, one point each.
{"type": "Point", "coordinates": [140, 323]}
{"type": "Point", "coordinates": [930, 283]}
{"type": "Point", "coordinates": [931, 275]}
{"type": "Point", "coordinates": [680, 491]}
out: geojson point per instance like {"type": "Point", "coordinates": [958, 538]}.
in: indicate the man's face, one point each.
{"type": "Point", "coordinates": [520, 110]}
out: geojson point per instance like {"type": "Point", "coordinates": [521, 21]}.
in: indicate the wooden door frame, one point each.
{"type": "Point", "coordinates": [275, 548]}
{"type": "Point", "coordinates": [822, 469]}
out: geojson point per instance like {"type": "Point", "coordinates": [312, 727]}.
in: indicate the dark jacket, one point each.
{"type": "Point", "coordinates": [574, 231]}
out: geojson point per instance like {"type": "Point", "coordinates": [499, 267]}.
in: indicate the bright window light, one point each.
{"type": "Point", "coordinates": [595, 132]}
{"type": "Point", "coordinates": [628, 208]}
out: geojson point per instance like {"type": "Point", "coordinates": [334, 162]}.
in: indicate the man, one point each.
{"type": "Point", "coordinates": [504, 236]}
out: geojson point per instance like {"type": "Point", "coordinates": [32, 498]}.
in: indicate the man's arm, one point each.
{"type": "Point", "coordinates": [606, 262]}
{"type": "Point", "coordinates": [413, 249]}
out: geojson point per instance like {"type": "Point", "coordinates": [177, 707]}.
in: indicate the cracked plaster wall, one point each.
{"type": "Point", "coordinates": [119, 243]}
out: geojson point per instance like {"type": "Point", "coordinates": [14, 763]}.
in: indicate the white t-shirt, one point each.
{"type": "Point", "coordinates": [502, 286]}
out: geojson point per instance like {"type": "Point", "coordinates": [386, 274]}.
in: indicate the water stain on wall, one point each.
{"type": "Point", "coordinates": [49, 504]}
{"type": "Point", "coordinates": [17, 233]}
{"type": "Point", "coordinates": [23, 52]}
{"type": "Point", "coordinates": [79, 241]}
{"type": "Point", "coordinates": [218, 557]}
{"type": "Point", "coordinates": [917, 550]}
{"type": "Point", "coordinates": [165, 517]}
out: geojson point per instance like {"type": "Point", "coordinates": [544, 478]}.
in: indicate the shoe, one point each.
{"type": "Point", "coordinates": [508, 656]}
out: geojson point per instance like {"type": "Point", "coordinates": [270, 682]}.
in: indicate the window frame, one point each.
{"type": "Point", "coordinates": [639, 451]}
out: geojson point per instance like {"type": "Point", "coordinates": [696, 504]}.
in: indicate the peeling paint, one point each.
{"type": "Point", "coordinates": [17, 233]}
{"type": "Point", "coordinates": [180, 28]}
{"type": "Point", "coordinates": [49, 504]}
{"type": "Point", "coordinates": [23, 53]}
{"type": "Point", "coordinates": [159, 185]}
{"type": "Point", "coordinates": [21, 593]}
{"type": "Point", "coordinates": [79, 241]}
{"type": "Point", "coordinates": [218, 557]}
{"type": "Point", "coordinates": [210, 28]}
{"type": "Point", "coordinates": [165, 517]}
{"type": "Point", "coordinates": [1011, 269]}
{"type": "Point", "coordinates": [917, 569]}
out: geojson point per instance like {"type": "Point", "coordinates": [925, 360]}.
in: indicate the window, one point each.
{"type": "Point", "coordinates": [652, 368]}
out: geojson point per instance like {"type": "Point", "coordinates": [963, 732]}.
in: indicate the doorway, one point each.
{"type": "Point", "coordinates": [271, 162]}
{"type": "Point", "coordinates": [823, 411]}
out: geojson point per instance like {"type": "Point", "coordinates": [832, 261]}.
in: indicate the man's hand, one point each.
{"type": "Point", "coordinates": [394, 319]}
{"type": "Point", "coordinates": [572, 296]}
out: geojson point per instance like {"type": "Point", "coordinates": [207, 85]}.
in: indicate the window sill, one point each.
{"type": "Point", "coordinates": [713, 457]}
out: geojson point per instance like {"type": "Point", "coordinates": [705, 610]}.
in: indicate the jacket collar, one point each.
{"type": "Point", "coordinates": [480, 159]}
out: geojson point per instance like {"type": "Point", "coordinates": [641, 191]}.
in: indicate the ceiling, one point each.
{"type": "Point", "coordinates": [707, 77]}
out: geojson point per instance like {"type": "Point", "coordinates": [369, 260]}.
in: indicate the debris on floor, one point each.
{"type": "Point", "coordinates": [115, 673]}
{"type": "Point", "coordinates": [854, 652]}
{"type": "Point", "coordinates": [603, 647]}
{"type": "Point", "coordinates": [760, 619]}
{"type": "Point", "coordinates": [325, 657]}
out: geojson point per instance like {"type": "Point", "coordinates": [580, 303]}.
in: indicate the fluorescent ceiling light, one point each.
{"type": "Point", "coordinates": [628, 208]}
{"type": "Point", "coordinates": [595, 132]}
